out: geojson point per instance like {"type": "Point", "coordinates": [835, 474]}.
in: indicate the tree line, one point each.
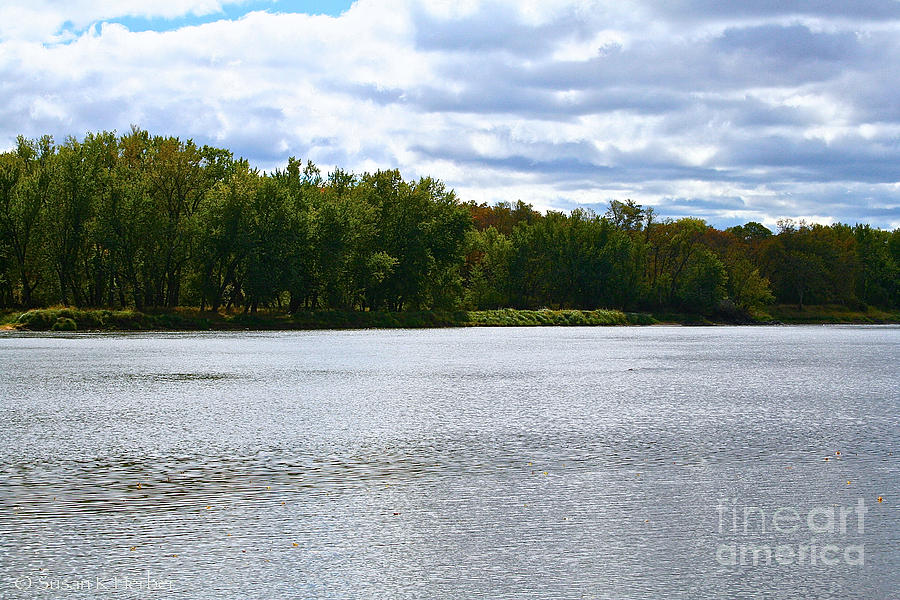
{"type": "Point", "coordinates": [157, 222]}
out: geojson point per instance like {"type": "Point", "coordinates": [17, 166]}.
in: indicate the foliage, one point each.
{"type": "Point", "coordinates": [140, 223]}
{"type": "Point", "coordinates": [528, 318]}
{"type": "Point", "coordinates": [64, 324]}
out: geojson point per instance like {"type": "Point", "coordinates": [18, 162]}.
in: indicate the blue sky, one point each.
{"type": "Point", "coordinates": [751, 110]}
{"type": "Point", "coordinates": [234, 11]}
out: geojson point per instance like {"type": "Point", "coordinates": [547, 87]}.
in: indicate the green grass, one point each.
{"type": "Point", "coordinates": [72, 319]}
{"type": "Point", "coordinates": [825, 314]}
{"type": "Point", "coordinates": [508, 317]}
{"type": "Point", "coordinates": [345, 319]}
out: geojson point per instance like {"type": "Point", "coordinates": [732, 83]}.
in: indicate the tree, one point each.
{"type": "Point", "coordinates": [810, 263]}
{"type": "Point", "coordinates": [144, 221]}
{"type": "Point", "coordinates": [487, 269]}
{"type": "Point", "coordinates": [179, 174]}
{"type": "Point", "coordinates": [25, 179]}
{"type": "Point", "coordinates": [702, 286]}
{"type": "Point", "coordinates": [225, 242]}
{"type": "Point", "coordinates": [629, 216]}
{"type": "Point", "coordinates": [750, 232]}
{"type": "Point", "coordinates": [878, 272]}
{"type": "Point", "coordinates": [671, 248]}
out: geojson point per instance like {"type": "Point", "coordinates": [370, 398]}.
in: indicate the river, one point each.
{"type": "Point", "coordinates": [631, 462]}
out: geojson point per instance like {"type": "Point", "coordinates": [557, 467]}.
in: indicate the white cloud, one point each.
{"type": "Point", "coordinates": [555, 103]}
{"type": "Point", "coordinates": [42, 20]}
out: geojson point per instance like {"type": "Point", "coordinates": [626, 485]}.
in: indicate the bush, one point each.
{"type": "Point", "coordinates": [508, 317]}
{"type": "Point", "coordinates": [64, 324]}
{"type": "Point", "coordinates": [640, 319]}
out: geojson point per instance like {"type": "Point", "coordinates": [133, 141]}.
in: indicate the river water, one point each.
{"type": "Point", "coordinates": [655, 462]}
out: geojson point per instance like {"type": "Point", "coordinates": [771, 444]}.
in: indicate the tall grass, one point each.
{"type": "Point", "coordinates": [826, 314]}
{"type": "Point", "coordinates": [70, 319]}
{"type": "Point", "coordinates": [100, 319]}
{"type": "Point", "coordinates": [508, 317]}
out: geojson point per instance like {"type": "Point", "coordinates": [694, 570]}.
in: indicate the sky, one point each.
{"type": "Point", "coordinates": [740, 111]}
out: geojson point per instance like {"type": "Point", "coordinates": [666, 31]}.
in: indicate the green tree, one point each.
{"type": "Point", "coordinates": [877, 277]}
{"type": "Point", "coordinates": [26, 176]}
{"type": "Point", "coordinates": [487, 269]}
{"type": "Point", "coordinates": [701, 288]}
{"type": "Point", "coordinates": [671, 247]}
{"type": "Point", "coordinates": [224, 243]}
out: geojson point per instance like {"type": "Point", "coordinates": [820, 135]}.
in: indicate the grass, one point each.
{"type": "Point", "coordinates": [508, 317]}
{"type": "Point", "coordinates": [191, 319]}
{"type": "Point", "coordinates": [831, 313]}
{"type": "Point", "coordinates": [73, 319]}
{"type": "Point", "coordinates": [345, 319]}
{"type": "Point", "coordinates": [7, 318]}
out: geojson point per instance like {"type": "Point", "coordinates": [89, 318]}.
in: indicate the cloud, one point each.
{"type": "Point", "coordinates": [48, 20]}
{"type": "Point", "coordinates": [768, 9]}
{"type": "Point", "coordinates": [754, 111]}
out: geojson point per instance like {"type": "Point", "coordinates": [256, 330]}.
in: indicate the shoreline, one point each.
{"type": "Point", "coordinates": [187, 319]}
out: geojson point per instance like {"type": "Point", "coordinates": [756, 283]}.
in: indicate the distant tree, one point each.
{"type": "Point", "coordinates": [628, 215]}
{"type": "Point", "coordinates": [750, 232]}
{"type": "Point", "coordinates": [149, 221]}
{"type": "Point", "coordinates": [811, 263]}
{"type": "Point", "coordinates": [26, 175]}
{"type": "Point", "coordinates": [502, 216]}
{"type": "Point", "coordinates": [702, 286]}
{"type": "Point", "coordinates": [878, 272]}
{"type": "Point", "coordinates": [225, 243]}
{"type": "Point", "coordinates": [487, 278]}
{"type": "Point", "coordinates": [671, 248]}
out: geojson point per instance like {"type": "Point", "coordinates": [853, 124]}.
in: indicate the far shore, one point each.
{"type": "Point", "coordinates": [190, 319]}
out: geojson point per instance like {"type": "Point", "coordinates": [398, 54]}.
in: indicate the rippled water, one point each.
{"type": "Point", "coordinates": [453, 463]}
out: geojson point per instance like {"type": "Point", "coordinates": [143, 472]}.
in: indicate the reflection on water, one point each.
{"type": "Point", "coordinates": [507, 463]}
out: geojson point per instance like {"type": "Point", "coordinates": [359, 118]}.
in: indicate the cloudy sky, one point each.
{"type": "Point", "coordinates": [730, 111]}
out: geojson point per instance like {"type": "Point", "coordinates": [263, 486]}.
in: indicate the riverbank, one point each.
{"type": "Point", "coordinates": [831, 314]}
{"type": "Point", "coordinates": [188, 319]}
{"type": "Point", "coordinates": [71, 319]}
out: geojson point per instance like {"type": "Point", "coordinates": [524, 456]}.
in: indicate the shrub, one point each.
{"type": "Point", "coordinates": [64, 324]}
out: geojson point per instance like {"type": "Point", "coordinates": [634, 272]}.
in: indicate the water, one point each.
{"type": "Point", "coordinates": [454, 463]}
